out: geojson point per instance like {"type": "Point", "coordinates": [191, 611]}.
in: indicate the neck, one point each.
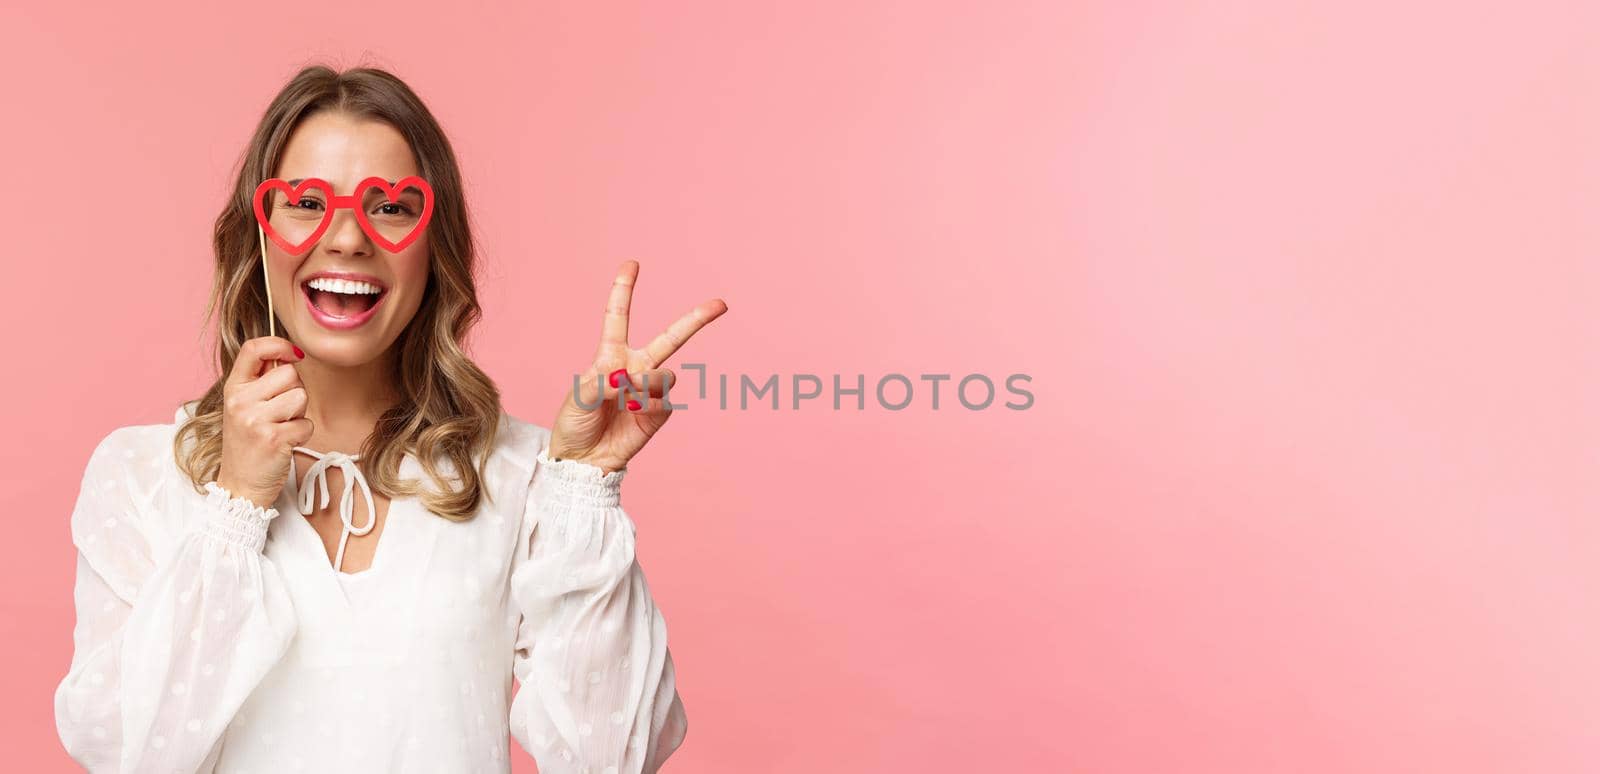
{"type": "Point", "coordinates": [344, 402]}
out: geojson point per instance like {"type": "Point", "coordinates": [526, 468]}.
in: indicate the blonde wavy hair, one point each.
{"type": "Point", "coordinates": [449, 408]}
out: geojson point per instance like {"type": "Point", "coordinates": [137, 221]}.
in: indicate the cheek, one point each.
{"type": "Point", "coordinates": [411, 267]}
{"type": "Point", "coordinates": [282, 265]}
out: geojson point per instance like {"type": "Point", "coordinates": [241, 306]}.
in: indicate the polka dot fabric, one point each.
{"type": "Point", "coordinates": [214, 635]}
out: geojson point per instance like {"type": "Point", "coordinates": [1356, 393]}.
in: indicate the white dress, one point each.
{"type": "Point", "coordinates": [216, 636]}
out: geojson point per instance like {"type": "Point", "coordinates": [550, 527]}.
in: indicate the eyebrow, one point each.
{"type": "Point", "coordinates": [298, 180]}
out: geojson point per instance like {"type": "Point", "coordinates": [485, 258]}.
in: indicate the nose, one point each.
{"type": "Point", "coordinates": [345, 237]}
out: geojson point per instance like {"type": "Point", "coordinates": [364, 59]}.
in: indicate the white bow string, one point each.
{"type": "Point", "coordinates": [318, 473]}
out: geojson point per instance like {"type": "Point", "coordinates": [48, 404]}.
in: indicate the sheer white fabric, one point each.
{"type": "Point", "coordinates": [213, 635]}
{"type": "Point", "coordinates": [598, 682]}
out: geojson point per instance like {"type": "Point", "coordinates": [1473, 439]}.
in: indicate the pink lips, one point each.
{"type": "Point", "coordinates": [341, 323]}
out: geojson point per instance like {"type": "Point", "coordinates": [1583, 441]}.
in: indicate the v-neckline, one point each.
{"type": "Point", "coordinates": [380, 552]}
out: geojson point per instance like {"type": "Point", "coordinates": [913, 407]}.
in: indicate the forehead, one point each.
{"type": "Point", "coordinates": [344, 149]}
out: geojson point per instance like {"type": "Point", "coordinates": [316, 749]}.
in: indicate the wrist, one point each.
{"type": "Point", "coordinates": [239, 491]}
{"type": "Point", "coordinates": [584, 466]}
{"type": "Point", "coordinates": [606, 467]}
{"type": "Point", "coordinates": [556, 451]}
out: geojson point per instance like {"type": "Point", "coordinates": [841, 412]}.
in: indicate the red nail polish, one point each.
{"type": "Point", "coordinates": [297, 352]}
{"type": "Point", "coordinates": [617, 375]}
{"type": "Point", "coordinates": [634, 405]}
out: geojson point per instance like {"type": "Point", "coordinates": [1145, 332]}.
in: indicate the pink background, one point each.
{"type": "Point", "coordinates": [1305, 294]}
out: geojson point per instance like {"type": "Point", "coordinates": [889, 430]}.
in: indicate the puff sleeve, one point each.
{"type": "Point", "coordinates": [598, 689]}
{"type": "Point", "coordinates": [179, 615]}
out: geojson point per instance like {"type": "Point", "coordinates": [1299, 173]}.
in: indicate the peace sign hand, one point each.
{"type": "Point", "coordinates": [606, 435]}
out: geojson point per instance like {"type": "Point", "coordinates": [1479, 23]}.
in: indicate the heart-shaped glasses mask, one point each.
{"type": "Point", "coordinates": [393, 220]}
{"type": "Point", "coordinates": [393, 215]}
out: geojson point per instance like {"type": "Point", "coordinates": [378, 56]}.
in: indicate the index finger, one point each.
{"type": "Point", "coordinates": [663, 345]}
{"type": "Point", "coordinates": [615, 328]}
{"type": "Point", "coordinates": [255, 352]}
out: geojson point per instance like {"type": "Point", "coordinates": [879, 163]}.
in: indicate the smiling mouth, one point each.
{"type": "Point", "coordinates": [342, 298]}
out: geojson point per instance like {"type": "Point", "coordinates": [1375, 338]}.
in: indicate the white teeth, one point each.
{"type": "Point", "coordinates": [331, 285]}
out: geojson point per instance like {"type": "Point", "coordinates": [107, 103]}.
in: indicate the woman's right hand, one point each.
{"type": "Point", "coordinates": [263, 419]}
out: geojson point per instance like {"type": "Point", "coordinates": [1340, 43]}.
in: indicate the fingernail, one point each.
{"type": "Point", "coordinates": [634, 405]}
{"type": "Point", "coordinates": [618, 375]}
{"type": "Point", "coordinates": [297, 352]}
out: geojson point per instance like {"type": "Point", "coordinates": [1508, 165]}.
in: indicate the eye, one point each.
{"type": "Point", "coordinates": [393, 208]}
{"type": "Point", "coordinates": [305, 203]}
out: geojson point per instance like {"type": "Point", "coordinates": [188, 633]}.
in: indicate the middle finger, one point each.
{"type": "Point", "coordinates": [668, 342]}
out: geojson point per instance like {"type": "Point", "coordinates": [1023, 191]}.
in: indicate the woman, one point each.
{"type": "Point", "coordinates": [379, 631]}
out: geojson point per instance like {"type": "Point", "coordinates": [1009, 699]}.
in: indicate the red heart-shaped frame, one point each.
{"type": "Point", "coordinates": [335, 202]}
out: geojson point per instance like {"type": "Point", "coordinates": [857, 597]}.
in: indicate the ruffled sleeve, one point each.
{"type": "Point", "coordinates": [179, 615]}
{"type": "Point", "coordinates": [598, 688]}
